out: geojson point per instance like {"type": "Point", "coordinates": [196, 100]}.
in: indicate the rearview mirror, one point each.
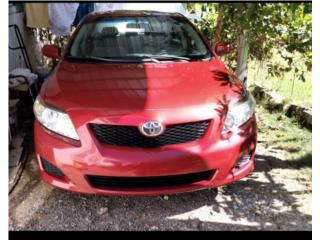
{"type": "Point", "coordinates": [222, 48]}
{"type": "Point", "coordinates": [51, 51]}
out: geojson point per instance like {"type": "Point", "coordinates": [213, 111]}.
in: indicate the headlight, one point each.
{"type": "Point", "coordinates": [54, 120]}
{"type": "Point", "coordinates": [239, 113]}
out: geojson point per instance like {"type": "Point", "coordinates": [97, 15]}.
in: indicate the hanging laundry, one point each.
{"type": "Point", "coordinates": [37, 15]}
{"type": "Point", "coordinates": [83, 10]}
{"type": "Point", "coordinates": [162, 7]}
{"type": "Point", "coordinates": [61, 16]}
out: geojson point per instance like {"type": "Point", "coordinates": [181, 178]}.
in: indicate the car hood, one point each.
{"type": "Point", "coordinates": [136, 87]}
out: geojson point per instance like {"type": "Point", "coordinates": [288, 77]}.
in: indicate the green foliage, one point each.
{"type": "Point", "coordinates": [285, 136]}
{"type": "Point", "coordinates": [45, 36]}
{"type": "Point", "coordinates": [284, 26]}
{"type": "Point", "coordinates": [294, 84]}
{"type": "Point", "coordinates": [208, 14]}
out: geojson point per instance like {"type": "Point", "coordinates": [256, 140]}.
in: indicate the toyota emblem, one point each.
{"type": "Point", "coordinates": [152, 129]}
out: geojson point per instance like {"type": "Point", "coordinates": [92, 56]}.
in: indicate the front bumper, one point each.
{"type": "Point", "coordinates": [94, 158]}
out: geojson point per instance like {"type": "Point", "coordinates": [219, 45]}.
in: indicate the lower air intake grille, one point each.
{"type": "Point", "coordinates": [51, 169]}
{"type": "Point", "coordinates": [148, 182]}
{"type": "Point", "coordinates": [130, 136]}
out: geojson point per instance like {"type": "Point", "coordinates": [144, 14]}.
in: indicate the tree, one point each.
{"type": "Point", "coordinates": [284, 26]}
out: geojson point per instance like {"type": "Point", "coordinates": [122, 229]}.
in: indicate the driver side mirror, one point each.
{"type": "Point", "coordinates": [222, 48]}
{"type": "Point", "coordinates": [51, 51]}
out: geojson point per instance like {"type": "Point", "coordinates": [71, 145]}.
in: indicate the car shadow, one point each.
{"type": "Point", "coordinates": [254, 203]}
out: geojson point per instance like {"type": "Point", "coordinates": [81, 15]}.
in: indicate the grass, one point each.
{"type": "Point", "coordinates": [283, 134]}
{"type": "Point", "coordinates": [280, 136]}
{"type": "Point", "coordinates": [288, 85]}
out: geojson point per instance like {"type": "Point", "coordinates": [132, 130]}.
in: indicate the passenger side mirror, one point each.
{"type": "Point", "coordinates": [51, 51]}
{"type": "Point", "coordinates": [222, 48]}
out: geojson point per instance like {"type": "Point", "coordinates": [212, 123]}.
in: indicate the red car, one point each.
{"type": "Point", "coordinates": [139, 104]}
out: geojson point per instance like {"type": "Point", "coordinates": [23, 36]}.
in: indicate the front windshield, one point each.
{"type": "Point", "coordinates": [138, 37]}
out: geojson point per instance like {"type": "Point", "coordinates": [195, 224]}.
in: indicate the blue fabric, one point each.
{"type": "Point", "coordinates": [83, 10]}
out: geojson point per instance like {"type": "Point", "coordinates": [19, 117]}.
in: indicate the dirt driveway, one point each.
{"type": "Point", "coordinates": [276, 196]}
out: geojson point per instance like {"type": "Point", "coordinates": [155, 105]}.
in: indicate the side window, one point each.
{"type": "Point", "coordinates": [82, 41]}
{"type": "Point", "coordinates": [75, 48]}
{"type": "Point", "coordinates": [193, 39]}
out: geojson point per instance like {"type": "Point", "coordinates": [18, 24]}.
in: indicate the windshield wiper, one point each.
{"type": "Point", "coordinates": [100, 59]}
{"type": "Point", "coordinates": [171, 57]}
{"type": "Point", "coordinates": [160, 57]}
{"type": "Point", "coordinates": [137, 58]}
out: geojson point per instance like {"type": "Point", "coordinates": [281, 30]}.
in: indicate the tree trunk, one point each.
{"type": "Point", "coordinates": [242, 58]}
{"type": "Point", "coordinates": [217, 33]}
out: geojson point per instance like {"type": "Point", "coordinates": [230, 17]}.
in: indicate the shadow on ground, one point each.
{"type": "Point", "coordinates": [260, 201]}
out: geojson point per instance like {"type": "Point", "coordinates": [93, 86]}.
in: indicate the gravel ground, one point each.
{"type": "Point", "coordinates": [276, 196]}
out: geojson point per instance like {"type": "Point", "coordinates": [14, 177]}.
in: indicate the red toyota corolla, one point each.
{"type": "Point", "coordinates": [139, 104]}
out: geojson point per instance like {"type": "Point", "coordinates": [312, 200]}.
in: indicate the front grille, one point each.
{"type": "Point", "coordinates": [130, 136]}
{"type": "Point", "coordinates": [51, 169]}
{"type": "Point", "coordinates": [148, 182]}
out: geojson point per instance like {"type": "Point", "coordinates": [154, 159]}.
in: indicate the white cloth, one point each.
{"type": "Point", "coordinates": [161, 7]}
{"type": "Point", "coordinates": [31, 77]}
{"type": "Point", "coordinates": [61, 16]}
{"type": "Point", "coordinates": [103, 7]}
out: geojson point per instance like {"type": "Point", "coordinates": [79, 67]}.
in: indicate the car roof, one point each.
{"type": "Point", "coordinates": [127, 13]}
